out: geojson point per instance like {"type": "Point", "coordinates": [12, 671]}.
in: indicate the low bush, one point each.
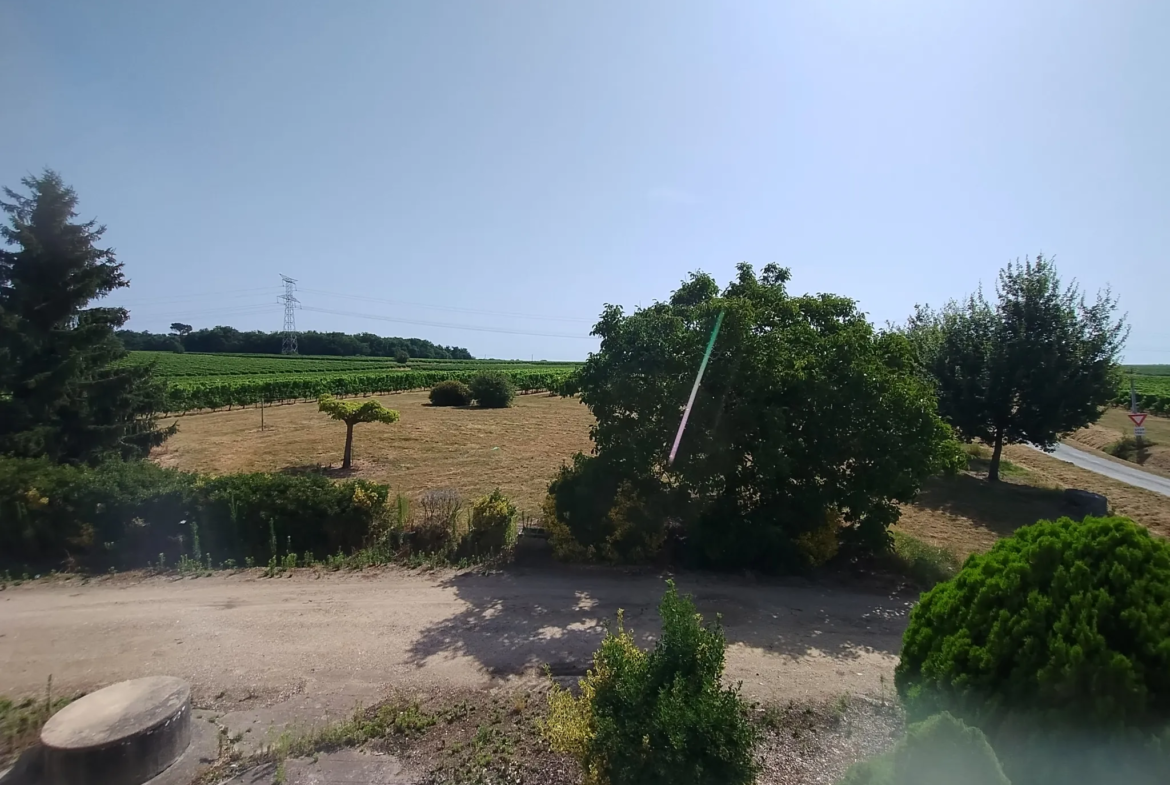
{"type": "Point", "coordinates": [493, 390]}
{"type": "Point", "coordinates": [440, 524]}
{"type": "Point", "coordinates": [593, 515]}
{"type": "Point", "coordinates": [128, 514]}
{"type": "Point", "coordinates": [938, 751]}
{"type": "Point", "coordinates": [1056, 643]}
{"type": "Point", "coordinates": [660, 717]}
{"type": "Point", "coordinates": [492, 525]}
{"type": "Point", "coordinates": [451, 393]}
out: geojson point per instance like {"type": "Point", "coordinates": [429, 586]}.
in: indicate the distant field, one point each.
{"type": "Point", "coordinates": [1147, 370]}
{"type": "Point", "coordinates": [215, 381]}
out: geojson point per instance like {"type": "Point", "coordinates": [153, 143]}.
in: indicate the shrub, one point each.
{"type": "Point", "coordinates": [493, 524]}
{"type": "Point", "coordinates": [438, 527]}
{"type": "Point", "coordinates": [127, 513]}
{"type": "Point", "coordinates": [594, 515]}
{"type": "Point", "coordinates": [939, 750]}
{"type": "Point", "coordinates": [819, 545]}
{"type": "Point", "coordinates": [401, 357]}
{"type": "Point", "coordinates": [659, 717]}
{"type": "Point", "coordinates": [1057, 636]}
{"type": "Point", "coordinates": [493, 390]}
{"type": "Point", "coordinates": [451, 393]}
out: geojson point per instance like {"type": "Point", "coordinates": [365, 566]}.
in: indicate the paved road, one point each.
{"type": "Point", "coordinates": [1107, 468]}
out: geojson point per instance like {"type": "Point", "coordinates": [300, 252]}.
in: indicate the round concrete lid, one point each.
{"type": "Point", "coordinates": [117, 712]}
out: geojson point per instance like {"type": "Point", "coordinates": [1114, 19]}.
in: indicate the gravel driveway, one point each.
{"type": "Point", "coordinates": [244, 640]}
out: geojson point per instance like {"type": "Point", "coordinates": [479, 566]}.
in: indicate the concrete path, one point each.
{"type": "Point", "coordinates": [1100, 465]}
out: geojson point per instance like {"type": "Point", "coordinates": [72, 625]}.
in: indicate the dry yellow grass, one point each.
{"type": "Point", "coordinates": [469, 450]}
{"type": "Point", "coordinates": [519, 449]}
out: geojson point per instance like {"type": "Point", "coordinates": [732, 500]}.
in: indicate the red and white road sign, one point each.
{"type": "Point", "coordinates": [1138, 419]}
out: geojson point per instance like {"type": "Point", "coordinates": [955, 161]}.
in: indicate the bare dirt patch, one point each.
{"type": "Point", "coordinates": [470, 450]}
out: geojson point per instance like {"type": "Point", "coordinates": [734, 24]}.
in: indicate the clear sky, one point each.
{"type": "Point", "coordinates": [504, 160]}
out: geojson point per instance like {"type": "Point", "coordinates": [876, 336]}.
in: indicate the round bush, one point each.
{"type": "Point", "coordinates": [1060, 631]}
{"type": "Point", "coordinates": [450, 393]}
{"type": "Point", "coordinates": [493, 390]}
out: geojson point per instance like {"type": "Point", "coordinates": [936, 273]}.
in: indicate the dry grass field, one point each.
{"type": "Point", "coordinates": [519, 449]}
{"type": "Point", "coordinates": [430, 447]}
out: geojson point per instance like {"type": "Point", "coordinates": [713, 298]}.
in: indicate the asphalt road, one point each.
{"type": "Point", "coordinates": [1107, 468]}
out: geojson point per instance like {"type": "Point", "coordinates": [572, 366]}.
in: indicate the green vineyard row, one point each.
{"type": "Point", "coordinates": [189, 397]}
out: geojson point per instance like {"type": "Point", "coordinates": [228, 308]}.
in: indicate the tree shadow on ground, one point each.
{"type": "Point", "coordinates": [520, 619]}
{"type": "Point", "coordinates": [332, 472]}
{"type": "Point", "coordinates": [999, 507]}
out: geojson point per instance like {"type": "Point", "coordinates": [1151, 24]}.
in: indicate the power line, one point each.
{"type": "Point", "coordinates": [219, 295]}
{"type": "Point", "coordinates": [451, 307]}
{"type": "Point", "coordinates": [442, 324]}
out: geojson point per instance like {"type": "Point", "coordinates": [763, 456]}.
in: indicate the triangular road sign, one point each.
{"type": "Point", "coordinates": [1138, 419]}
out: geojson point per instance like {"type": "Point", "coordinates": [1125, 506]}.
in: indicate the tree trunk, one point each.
{"type": "Point", "coordinates": [996, 454]}
{"type": "Point", "coordinates": [348, 459]}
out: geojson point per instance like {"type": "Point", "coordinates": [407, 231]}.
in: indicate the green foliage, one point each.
{"type": "Point", "coordinates": [223, 381]}
{"type": "Point", "coordinates": [938, 751]}
{"type": "Point", "coordinates": [401, 357]}
{"type": "Point", "coordinates": [493, 390]}
{"type": "Point", "coordinates": [796, 389]}
{"type": "Point", "coordinates": [62, 393]}
{"type": "Point", "coordinates": [493, 524]}
{"type": "Point", "coordinates": [352, 413]}
{"type": "Point", "coordinates": [129, 514]}
{"type": "Point", "coordinates": [451, 393]}
{"type": "Point", "coordinates": [592, 514]}
{"type": "Point", "coordinates": [1057, 637]}
{"type": "Point", "coordinates": [660, 717]}
{"type": "Point", "coordinates": [1036, 365]}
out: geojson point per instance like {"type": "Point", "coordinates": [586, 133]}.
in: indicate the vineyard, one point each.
{"type": "Point", "coordinates": [217, 381]}
{"type": "Point", "coordinates": [1152, 383]}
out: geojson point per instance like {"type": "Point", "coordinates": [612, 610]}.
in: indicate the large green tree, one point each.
{"type": "Point", "coordinates": [806, 412]}
{"type": "Point", "coordinates": [1035, 365]}
{"type": "Point", "coordinates": [62, 394]}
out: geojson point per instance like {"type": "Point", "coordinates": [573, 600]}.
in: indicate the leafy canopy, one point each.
{"type": "Point", "coordinates": [1037, 364]}
{"type": "Point", "coordinates": [61, 394]}
{"type": "Point", "coordinates": [354, 412]}
{"type": "Point", "coordinates": [804, 409]}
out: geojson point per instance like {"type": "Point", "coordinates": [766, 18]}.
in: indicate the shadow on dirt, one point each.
{"type": "Point", "coordinates": [999, 507]}
{"type": "Point", "coordinates": [520, 619]}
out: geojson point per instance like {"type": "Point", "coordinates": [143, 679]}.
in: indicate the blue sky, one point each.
{"type": "Point", "coordinates": [497, 161]}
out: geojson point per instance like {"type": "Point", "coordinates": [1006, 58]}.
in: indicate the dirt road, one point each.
{"type": "Point", "coordinates": [243, 640]}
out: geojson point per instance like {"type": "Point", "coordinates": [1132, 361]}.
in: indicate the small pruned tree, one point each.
{"type": "Point", "coordinates": [1038, 363]}
{"type": "Point", "coordinates": [351, 413]}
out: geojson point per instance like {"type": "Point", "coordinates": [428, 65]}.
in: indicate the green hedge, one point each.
{"type": "Point", "coordinates": [126, 514]}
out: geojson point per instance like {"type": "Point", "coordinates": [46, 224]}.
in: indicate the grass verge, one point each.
{"type": "Point", "coordinates": [21, 721]}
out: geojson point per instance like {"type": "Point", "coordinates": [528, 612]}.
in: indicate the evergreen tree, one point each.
{"type": "Point", "coordinates": [62, 394]}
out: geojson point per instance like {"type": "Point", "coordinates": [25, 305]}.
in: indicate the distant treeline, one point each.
{"type": "Point", "coordinates": [231, 340]}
